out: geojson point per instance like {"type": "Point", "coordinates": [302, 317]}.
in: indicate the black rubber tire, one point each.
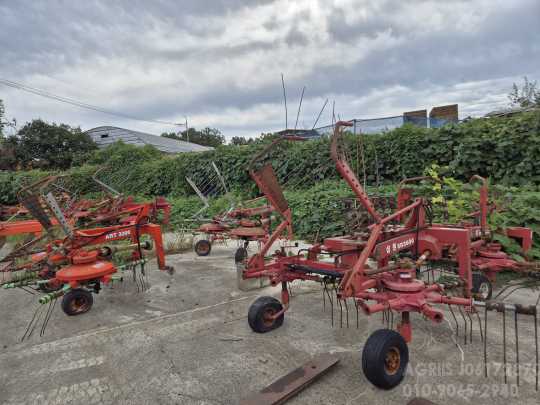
{"type": "Point", "coordinates": [260, 308]}
{"type": "Point", "coordinates": [203, 247]}
{"type": "Point", "coordinates": [379, 345]}
{"type": "Point", "coordinates": [240, 255]}
{"type": "Point", "coordinates": [481, 282]}
{"type": "Point", "coordinates": [77, 302]}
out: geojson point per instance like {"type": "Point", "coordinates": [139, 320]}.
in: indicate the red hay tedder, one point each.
{"type": "Point", "coordinates": [488, 257]}
{"type": "Point", "coordinates": [113, 209]}
{"type": "Point", "coordinates": [77, 265]}
{"type": "Point", "coordinates": [376, 268]}
{"type": "Point", "coordinates": [248, 222]}
{"type": "Point", "coordinates": [245, 224]}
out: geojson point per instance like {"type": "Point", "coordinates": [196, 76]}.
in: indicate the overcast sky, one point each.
{"type": "Point", "coordinates": [219, 62]}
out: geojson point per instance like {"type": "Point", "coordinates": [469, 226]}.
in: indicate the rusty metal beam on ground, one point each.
{"type": "Point", "coordinates": [291, 384]}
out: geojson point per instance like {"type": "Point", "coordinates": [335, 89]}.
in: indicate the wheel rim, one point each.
{"type": "Point", "coordinates": [203, 248]}
{"type": "Point", "coordinates": [483, 290]}
{"type": "Point", "coordinates": [392, 361]}
{"type": "Point", "coordinates": [268, 317]}
{"type": "Point", "coordinates": [241, 255]}
{"type": "Point", "coordinates": [79, 304]}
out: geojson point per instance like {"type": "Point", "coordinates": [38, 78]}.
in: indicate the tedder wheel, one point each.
{"type": "Point", "coordinates": [240, 255]}
{"type": "Point", "coordinates": [77, 301]}
{"type": "Point", "coordinates": [203, 247]}
{"type": "Point", "coordinates": [261, 312]}
{"type": "Point", "coordinates": [481, 286]}
{"type": "Point", "coordinates": [385, 358]}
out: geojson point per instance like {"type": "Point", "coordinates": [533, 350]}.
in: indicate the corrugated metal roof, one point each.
{"type": "Point", "coordinates": [510, 111]}
{"type": "Point", "coordinates": [107, 135]}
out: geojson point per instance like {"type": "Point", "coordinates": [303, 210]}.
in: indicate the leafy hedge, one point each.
{"type": "Point", "coordinates": [318, 211]}
{"type": "Point", "coordinates": [504, 149]}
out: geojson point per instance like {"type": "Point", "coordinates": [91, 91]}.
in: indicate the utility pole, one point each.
{"type": "Point", "coordinates": [185, 124]}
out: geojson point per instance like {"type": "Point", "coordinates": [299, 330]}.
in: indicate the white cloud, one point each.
{"type": "Point", "coordinates": [220, 64]}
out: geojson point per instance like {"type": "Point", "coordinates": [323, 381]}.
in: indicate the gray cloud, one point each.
{"type": "Point", "coordinates": [219, 62]}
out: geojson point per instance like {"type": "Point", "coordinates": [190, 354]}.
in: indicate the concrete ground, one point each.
{"type": "Point", "coordinates": [186, 341]}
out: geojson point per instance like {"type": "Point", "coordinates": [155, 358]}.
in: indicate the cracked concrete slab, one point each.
{"type": "Point", "coordinates": [186, 341]}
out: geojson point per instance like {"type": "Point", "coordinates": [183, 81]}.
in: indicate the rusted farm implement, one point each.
{"type": "Point", "coordinates": [113, 209]}
{"type": "Point", "coordinates": [79, 264]}
{"type": "Point", "coordinates": [32, 227]}
{"type": "Point", "coordinates": [377, 270]}
{"type": "Point", "coordinates": [11, 211]}
{"type": "Point", "coordinates": [116, 207]}
{"type": "Point", "coordinates": [488, 257]}
{"type": "Point", "coordinates": [248, 222]}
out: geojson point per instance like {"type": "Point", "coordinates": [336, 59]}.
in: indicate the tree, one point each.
{"type": "Point", "coordinates": [240, 140]}
{"type": "Point", "coordinates": [49, 146]}
{"type": "Point", "coordinates": [526, 96]}
{"type": "Point", "coordinates": [3, 122]}
{"type": "Point", "coordinates": [8, 145]}
{"type": "Point", "coordinates": [8, 153]}
{"type": "Point", "coordinates": [206, 137]}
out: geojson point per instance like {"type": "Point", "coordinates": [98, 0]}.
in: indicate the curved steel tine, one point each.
{"type": "Point", "coordinates": [132, 269]}
{"type": "Point", "coordinates": [507, 295]}
{"type": "Point", "coordinates": [455, 319]}
{"type": "Point", "coordinates": [356, 306]}
{"type": "Point", "coordinates": [346, 311]}
{"type": "Point", "coordinates": [141, 279]}
{"type": "Point", "coordinates": [50, 311]}
{"type": "Point", "coordinates": [143, 283]}
{"type": "Point", "coordinates": [331, 301]}
{"type": "Point", "coordinates": [485, 341]}
{"type": "Point", "coordinates": [536, 342]}
{"type": "Point", "coordinates": [135, 275]}
{"type": "Point", "coordinates": [465, 326]}
{"type": "Point", "coordinates": [33, 322]}
{"type": "Point", "coordinates": [44, 324]}
{"type": "Point", "coordinates": [323, 283]}
{"type": "Point", "coordinates": [338, 301]}
{"type": "Point", "coordinates": [27, 291]}
{"type": "Point", "coordinates": [470, 326]}
{"type": "Point", "coordinates": [517, 345]}
{"type": "Point", "coordinates": [340, 311]}
{"type": "Point", "coordinates": [480, 326]}
{"type": "Point", "coordinates": [504, 346]}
